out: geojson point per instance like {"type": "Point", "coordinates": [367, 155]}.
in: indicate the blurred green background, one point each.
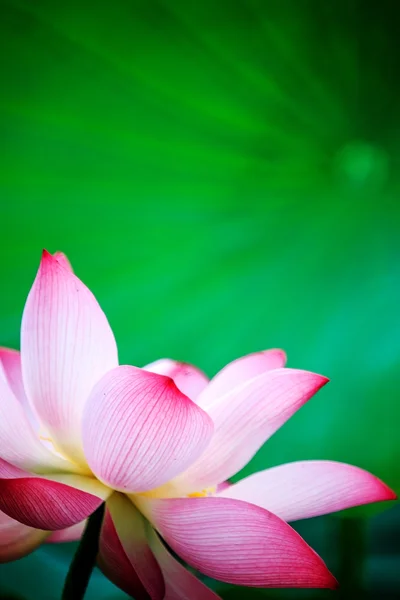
{"type": "Point", "coordinates": [224, 176]}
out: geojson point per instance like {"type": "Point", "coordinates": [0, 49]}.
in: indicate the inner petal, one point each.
{"type": "Point", "coordinates": [50, 444]}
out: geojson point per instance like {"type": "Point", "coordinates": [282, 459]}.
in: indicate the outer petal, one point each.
{"type": "Point", "coordinates": [306, 489]}
{"type": "Point", "coordinates": [17, 540]}
{"type": "Point", "coordinates": [70, 534]}
{"type": "Point", "coordinates": [239, 371]}
{"type": "Point", "coordinates": [125, 556]}
{"type": "Point", "coordinates": [180, 584]}
{"type": "Point", "coordinates": [11, 370]}
{"type": "Point", "coordinates": [54, 502]}
{"type": "Point", "coordinates": [66, 346]}
{"type": "Point", "coordinates": [188, 379]}
{"type": "Point", "coordinates": [139, 430]}
{"type": "Point", "coordinates": [244, 419]}
{"type": "Point", "coordinates": [10, 361]}
{"type": "Point", "coordinates": [237, 542]}
{"type": "Point", "coordinates": [19, 444]}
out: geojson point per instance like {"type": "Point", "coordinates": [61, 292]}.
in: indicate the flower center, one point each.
{"type": "Point", "coordinates": [203, 493]}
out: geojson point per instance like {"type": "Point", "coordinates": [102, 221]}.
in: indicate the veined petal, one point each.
{"type": "Point", "coordinates": [237, 542]}
{"type": "Point", "coordinates": [10, 361]}
{"type": "Point", "coordinates": [244, 419]}
{"type": "Point", "coordinates": [309, 488]}
{"type": "Point", "coordinates": [70, 534]}
{"type": "Point", "coordinates": [66, 346]}
{"type": "Point", "coordinates": [139, 430]}
{"type": "Point", "coordinates": [19, 444]}
{"type": "Point", "coordinates": [17, 540]}
{"type": "Point", "coordinates": [124, 554]}
{"type": "Point", "coordinates": [239, 371]}
{"type": "Point", "coordinates": [10, 366]}
{"type": "Point", "coordinates": [49, 503]}
{"type": "Point", "coordinates": [180, 584]}
{"type": "Point", "coordinates": [187, 378]}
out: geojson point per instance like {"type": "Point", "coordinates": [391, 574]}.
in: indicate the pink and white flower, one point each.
{"type": "Point", "coordinates": [157, 445]}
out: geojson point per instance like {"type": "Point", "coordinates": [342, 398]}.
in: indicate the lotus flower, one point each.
{"type": "Point", "coordinates": [158, 445]}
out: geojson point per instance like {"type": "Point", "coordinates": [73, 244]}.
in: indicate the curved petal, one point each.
{"type": "Point", "coordinates": [237, 542]}
{"type": "Point", "coordinates": [124, 554]}
{"type": "Point", "coordinates": [306, 489]}
{"type": "Point", "coordinates": [114, 563]}
{"type": "Point", "coordinates": [66, 346]}
{"type": "Point", "coordinates": [239, 371]}
{"type": "Point", "coordinates": [187, 378]}
{"type": "Point", "coordinates": [244, 419]}
{"type": "Point", "coordinates": [19, 444]}
{"type": "Point", "coordinates": [139, 430]}
{"type": "Point", "coordinates": [180, 584]}
{"type": "Point", "coordinates": [10, 360]}
{"type": "Point", "coordinates": [17, 540]}
{"type": "Point", "coordinates": [51, 503]}
{"type": "Point", "coordinates": [70, 534]}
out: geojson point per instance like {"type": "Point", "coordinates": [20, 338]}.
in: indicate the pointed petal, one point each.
{"type": "Point", "coordinates": [244, 419]}
{"type": "Point", "coordinates": [187, 378]}
{"type": "Point", "coordinates": [237, 542]}
{"type": "Point", "coordinates": [17, 540]}
{"type": "Point", "coordinates": [239, 371]}
{"type": "Point", "coordinates": [223, 486]}
{"type": "Point", "coordinates": [70, 534]}
{"type": "Point", "coordinates": [51, 503]}
{"type": "Point", "coordinates": [63, 260]}
{"type": "Point", "coordinates": [66, 346]}
{"type": "Point", "coordinates": [19, 444]}
{"type": "Point", "coordinates": [311, 488]}
{"type": "Point", "coordinates": [180, 584]}
{"type": "Point", "coordinates": [125, 556]}
{"type": "Point", "coordinates": [139, 430]}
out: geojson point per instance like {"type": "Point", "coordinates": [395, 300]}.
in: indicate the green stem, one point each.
{"type": "Point", "coordinates": [352, 551]}
{"type": "Point", "coordinates": [84, 560]}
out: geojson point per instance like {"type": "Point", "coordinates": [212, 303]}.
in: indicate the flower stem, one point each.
{"type": "Point", "coordinates": [352, 549]}
{"type": "Point", "coordinates": [84, 560]}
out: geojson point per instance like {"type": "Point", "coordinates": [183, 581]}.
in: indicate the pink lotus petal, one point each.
{"type": "Point", "coordinates": [139, 430]}
{"type": "Point", "coordinates": [10, 366]}
{"type": "Point", "coordinates": [19, 444]}
{"type": "Point", "coordinates": [9, 471]}
{"type": "Point", "coordinates": [10, 360]}
{"type": "Point", "coordinates": [125, 556]}
{"type": "Point", "coordinates": [70, 534]}
{"type": "Point", "coordinates": [17, 540]}
{"type": "Point", "coordinates": [54, 502]}
{"type": "Point", "coordinates": [239, 371]}
{"type": "Point", "coordinates": [221, 487]}
{"type": "Point", "coordinates": [115, 564]}
{"type": "Point", "coordinates": [306, 489]}
{"type": "Point", "coordinates": [66, 346]}
{"type": "Point", "coordinates": [63, 260]}
{"type": "Point", "coordinates": [244, 419]}
{"type": "Point", "coordinates": [180, 584]}
{"type": "Point", "coordinates": [188, 379]}
{"type": "Point", "coordinates": [237, 542]}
